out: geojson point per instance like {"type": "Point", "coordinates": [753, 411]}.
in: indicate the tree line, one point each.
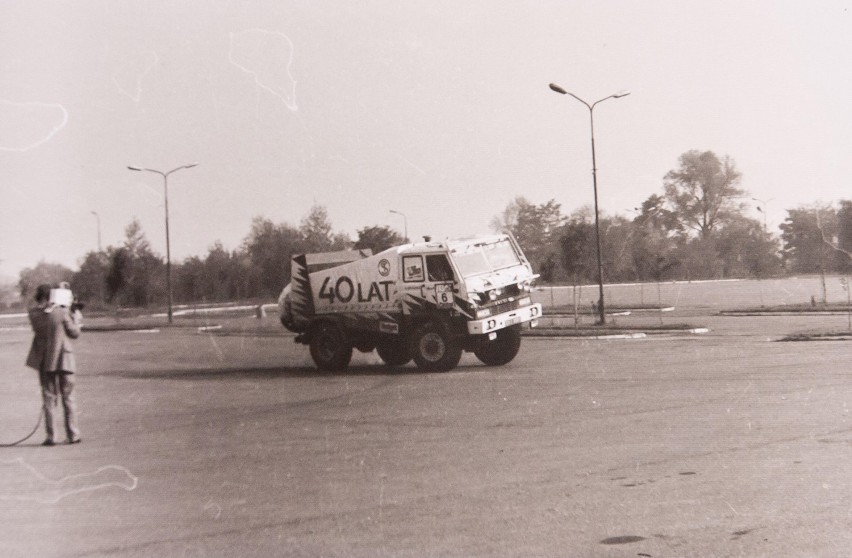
{"type": "Point", "coordinates": [134, 275]}
{"type": "Point", "coordinates": [696, 227]}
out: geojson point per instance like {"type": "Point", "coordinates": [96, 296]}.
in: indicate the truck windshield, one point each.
{"type": "Point", "coordinates": [484, 258]}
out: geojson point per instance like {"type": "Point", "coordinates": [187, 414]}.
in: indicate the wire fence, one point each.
{"type": "Point", "coordinates": [718, 295]}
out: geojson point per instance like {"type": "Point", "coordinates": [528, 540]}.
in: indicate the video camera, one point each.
{"type": "Point", "coordinates": [64, 297]}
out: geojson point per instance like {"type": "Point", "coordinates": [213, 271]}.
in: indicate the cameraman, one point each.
{"type": "Point", "coordinates": [52, 354]}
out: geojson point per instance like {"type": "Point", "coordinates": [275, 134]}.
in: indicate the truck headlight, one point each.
{"type": "Point", "coordinates": [483, 313]}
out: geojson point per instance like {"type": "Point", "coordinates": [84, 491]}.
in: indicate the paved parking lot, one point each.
{"type": "Point", "coordinates": [723, 444]}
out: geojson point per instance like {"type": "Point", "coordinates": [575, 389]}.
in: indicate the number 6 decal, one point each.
{"type": "Point", "coordinates": [444, 295]}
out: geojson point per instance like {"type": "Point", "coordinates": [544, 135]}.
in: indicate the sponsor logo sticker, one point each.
{"type": "Point", "coordinates": [388, 327]}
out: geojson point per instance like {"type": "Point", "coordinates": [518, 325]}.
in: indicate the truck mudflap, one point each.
{"type": "Point", "coordinates": [506, 319]}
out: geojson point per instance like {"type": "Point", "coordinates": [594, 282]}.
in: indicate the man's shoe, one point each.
{"type": "Point", "coordinates": [75, 441]}
{"type": "Point", "coordinates": [48, 442]}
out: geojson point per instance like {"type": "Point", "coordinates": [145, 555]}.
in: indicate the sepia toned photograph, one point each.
{"type": "Point", "coordinates": [415, 279]}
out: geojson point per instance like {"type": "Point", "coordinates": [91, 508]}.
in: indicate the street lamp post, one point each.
{"type": "Point", "coordinates": [591, 107]}
{"type": "Point", "coordinates": [404, 221]}
{"type": "Point", "coordinates": [165, 176]}
{"type": "Point", "coordinates": [100, 258]}
{"type": "Point", "coordinates": [98, 218]}
{"type": "Point", "coordinates": [763, 209]}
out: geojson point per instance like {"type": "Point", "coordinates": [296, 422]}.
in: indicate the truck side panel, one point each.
{"type": "Point", "coordinates": [297, 301]}
{"type": "Point", "coordinates": [364, 286]}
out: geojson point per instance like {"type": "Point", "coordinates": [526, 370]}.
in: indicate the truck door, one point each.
{"type": "Point", "coordinates": [429, 281]}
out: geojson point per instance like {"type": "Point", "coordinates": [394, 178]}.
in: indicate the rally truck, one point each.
{"type": "Point", "coordinates": [427, 301]}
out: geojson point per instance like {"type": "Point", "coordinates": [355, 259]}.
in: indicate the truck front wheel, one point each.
{"type": "Point", "coordinates": [501, 350]}
{"type": "Point", "coordinates": [434, 349]}
{"type": "Point", "coordinates": [330, 348]}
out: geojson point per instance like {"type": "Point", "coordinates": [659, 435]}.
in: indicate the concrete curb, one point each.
{"type": "Point", "coordinates": [574, 334]}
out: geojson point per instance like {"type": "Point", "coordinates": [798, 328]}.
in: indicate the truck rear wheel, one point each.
{"type": "Point", "coordinates": [330, 348]}
{"type": "Point", "coordinates": [501, 350]}
{"type": "Point", "coordinates": [434, 349]}
{"type": "Point", "coordinates": [394, 352]}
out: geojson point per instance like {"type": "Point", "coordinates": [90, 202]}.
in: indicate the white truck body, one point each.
{"type": "Point", "coordinates": [464, 291]}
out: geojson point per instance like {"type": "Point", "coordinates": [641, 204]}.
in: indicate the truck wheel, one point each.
{"type": "Point", "coordinates": [330, 348]}
{"type": "Point", "coordinates": [502, 350]}
{"type": "Point", "coordinates": [434, 349]}
{"type": "Point", "coordinates": [394, 352]}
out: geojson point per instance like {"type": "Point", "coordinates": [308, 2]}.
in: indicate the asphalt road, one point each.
{"type": "Point", "coordinates": [723, 444]}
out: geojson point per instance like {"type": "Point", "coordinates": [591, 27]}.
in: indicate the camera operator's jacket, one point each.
{"type": "Point", "coordinates": [53, 329]}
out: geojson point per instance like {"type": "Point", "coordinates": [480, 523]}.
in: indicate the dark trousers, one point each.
{"type": "Point", "coordinates": [56, 385]}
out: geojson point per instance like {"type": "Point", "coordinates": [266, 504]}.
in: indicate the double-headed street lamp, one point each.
{"type": "Point", "coordinates": [100, 254]}
{"type": "Point", "coordinates": [591, 107]}
{"type": "Point", "coordinates": [165, 176]}
{"type": "Point", "coordinates": [98, 218]}
{"type": "Point", "coordinates": [404, 221]}
{"type": "Point", "coordinates": [763, 210]}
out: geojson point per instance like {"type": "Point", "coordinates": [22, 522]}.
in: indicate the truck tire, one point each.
{"type": "Point", "coordinates": [330, 347]}
{"type": "Point", "coordinates": [501, 350]}
{"type": "Point", "coordinates": [394, 352]}
{"type": "Point", "coordinates": [434, 349]}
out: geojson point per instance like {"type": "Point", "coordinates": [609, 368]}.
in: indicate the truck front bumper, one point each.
{"type": "Point", "coordinates": [506, 319]}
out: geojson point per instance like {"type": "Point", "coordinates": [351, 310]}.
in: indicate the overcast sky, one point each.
{"type": "Point", "coordinates": [438, 109]}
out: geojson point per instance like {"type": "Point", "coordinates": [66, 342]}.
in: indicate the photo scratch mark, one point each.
{"type": "Point", "coordinates": [31, 485]}
{"type": "Point", "coordinates": [128, 77]}
{"type": "Point", "coordinates": [219, 354]}
{"type": "Point", "coordinates": [267, 56]}
{"type": "Point", "coordinates": [27, 125]}
{"type": "Point", "coordinates": [215, 508]}
{"type": "Point", "coordinates": [412, 165]}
